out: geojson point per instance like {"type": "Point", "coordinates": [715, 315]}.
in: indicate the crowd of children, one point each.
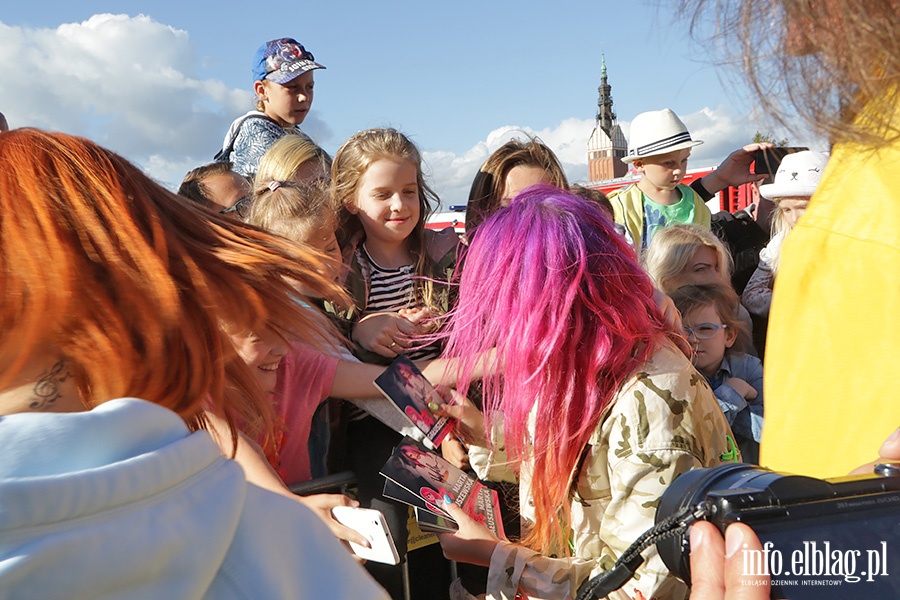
{"type": "Point", "coordinates": [370, 227]}
{"type": "Point", "coordinates": [281, 280]}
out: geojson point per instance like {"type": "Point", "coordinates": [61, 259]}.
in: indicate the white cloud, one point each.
{"type": "Point", "coordinates": [721, 133]}
{"type": "Point", "coordinates": [129, 83]}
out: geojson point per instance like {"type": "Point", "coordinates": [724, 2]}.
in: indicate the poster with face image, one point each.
{"type": "Point", "coordinates": [421, 478]}
{"type": "Point", "coordinates": [411, 392]}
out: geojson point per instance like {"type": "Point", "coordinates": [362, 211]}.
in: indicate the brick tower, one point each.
{"type": "Point", "coordinates": [607, 144]}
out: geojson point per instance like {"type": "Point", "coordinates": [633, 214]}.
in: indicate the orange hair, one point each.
{"type": "Point", "coordinates": [132, 286]}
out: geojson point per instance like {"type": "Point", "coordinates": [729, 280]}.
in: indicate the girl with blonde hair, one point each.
{"type": "Point", "coordinates": [686, 254]}
{"type": "Point", "coordinates": [795, 181]}
{"type": "Point", "coordinates": [398, 274]}
{"type": "Point", "coordinates": [293, 158]}
{"type": "Point", "coordinates": [396, 263]}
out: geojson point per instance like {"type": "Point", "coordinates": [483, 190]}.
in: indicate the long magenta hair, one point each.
{"type": "Point", "coordinates": [560, 295]}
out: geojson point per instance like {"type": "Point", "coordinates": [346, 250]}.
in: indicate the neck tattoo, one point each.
{"type": "Point", "coordinates": [46, 389]}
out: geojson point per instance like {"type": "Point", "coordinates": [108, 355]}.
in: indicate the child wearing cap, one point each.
{"type": "Point", "coordinates": [283, 83]}
{"type": "Point", "coordinates": [795, 181]}
{"type": "Point", "coordinates": [659, 147]}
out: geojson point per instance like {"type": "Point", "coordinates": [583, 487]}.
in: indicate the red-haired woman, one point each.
{"type": "Point", "coordinates": [114, 299]}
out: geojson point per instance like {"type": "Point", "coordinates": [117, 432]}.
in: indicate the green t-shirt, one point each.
{"type": "Point", "coordinates": [657, 216]}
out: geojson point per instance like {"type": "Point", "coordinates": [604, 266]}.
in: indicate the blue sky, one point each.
{"type": "Point", "coordinates": [160, 81]}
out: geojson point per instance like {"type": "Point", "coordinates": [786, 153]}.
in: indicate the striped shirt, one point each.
{"type": "Point", "coordinates": [393, 289]}
{"type": "Point", "coordinates": [389, 289]}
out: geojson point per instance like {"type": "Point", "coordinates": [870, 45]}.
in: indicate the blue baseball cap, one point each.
{"type": "Point", "coordinates": [282, 60]}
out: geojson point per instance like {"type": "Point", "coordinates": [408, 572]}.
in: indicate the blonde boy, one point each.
{"type": "Point", "coordinates": [283, 84]}
{"type": "Point", "coordinates": [659, 149]}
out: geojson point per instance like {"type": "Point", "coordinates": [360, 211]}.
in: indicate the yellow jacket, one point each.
{"type": "Point", "coordinates": [628, 209]}
{"type": "Point", "coordinates": [833, 345]}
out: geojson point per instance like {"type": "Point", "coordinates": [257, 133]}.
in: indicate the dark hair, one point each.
{"type": "Point", "coordinates": [193, 188]}
{"type": "Point", "coordinates": [594, 195]}
{"type": "Point", "coordinates": [487, 187]}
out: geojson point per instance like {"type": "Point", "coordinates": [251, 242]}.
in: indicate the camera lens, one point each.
{"type": "Point", "coordinates": [688, 490]}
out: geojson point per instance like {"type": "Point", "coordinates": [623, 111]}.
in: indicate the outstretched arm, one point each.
{"type": "Point", "coordinates": [354, 380]}
{"type": "Point", "coordinates": [734, 170]}
{"type": "Point", "coordinates": [259, 472]}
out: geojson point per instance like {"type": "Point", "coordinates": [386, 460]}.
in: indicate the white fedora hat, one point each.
{"type": "Point", "coordinates": [657, 132]}
{"type": "Point", "coordinates": [797, 176]}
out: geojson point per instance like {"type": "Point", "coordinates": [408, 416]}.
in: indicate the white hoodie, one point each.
{"type": "Point", "coordinates": [124, 502]}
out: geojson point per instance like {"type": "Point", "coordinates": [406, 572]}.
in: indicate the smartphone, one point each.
{"type": "Point", "coordinates": [370, 523]}
{"type": "Point", "coordinates": [768, 160]}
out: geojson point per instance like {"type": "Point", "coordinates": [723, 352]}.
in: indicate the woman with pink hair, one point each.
{"type": "Point", "coordinates": [600, 408]}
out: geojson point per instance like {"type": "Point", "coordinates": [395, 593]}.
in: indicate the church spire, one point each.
{"type": "Point", "coordinates": [606, 118]}
{"type": "Point", "coordinates": [607, 145]}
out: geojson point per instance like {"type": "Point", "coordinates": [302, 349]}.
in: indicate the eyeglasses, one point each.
{"type": "Point", "coordinates": [704, 331]}
{"type": "Point", "coordinates": [241, 207]}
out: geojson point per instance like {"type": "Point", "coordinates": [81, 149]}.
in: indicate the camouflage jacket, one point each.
{"type": "Point", "coordinates": [664, 421]}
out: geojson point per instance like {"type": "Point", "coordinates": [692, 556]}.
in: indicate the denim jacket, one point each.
{"type": "Point", "coordinates": [745, 418]}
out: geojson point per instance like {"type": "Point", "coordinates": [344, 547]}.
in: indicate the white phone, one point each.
{"type": "Point", "coordinates": [370, 523]}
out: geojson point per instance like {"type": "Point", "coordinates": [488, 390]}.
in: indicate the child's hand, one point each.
{"type": "Point", "coordinates": [387, 334]}
{"type": "Point", "coordinates": [743, 388]}
{"type": "Point", "coordinates": [416, 314]}
{"type": "Point", "coordinates": [469, 420]}
{"type": "Point", "coordinates": [669, 311]}
{"type": "Point", "coordinates": [455, 452]}
{"type": "Point", "coordinates": [423, 318]}
{"type": "Point", "coordinates": [321, 504]}
{"type": "Point", "coordinates": [473, 543]}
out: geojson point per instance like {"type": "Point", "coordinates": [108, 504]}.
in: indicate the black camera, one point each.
{"type": "Point", "coordinates": [836, 538]}
{"type": "Point", "coordinates": [767, 161]}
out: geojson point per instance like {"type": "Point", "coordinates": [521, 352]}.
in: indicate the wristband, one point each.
{"type": "Point", "coordinates": [697, 186]}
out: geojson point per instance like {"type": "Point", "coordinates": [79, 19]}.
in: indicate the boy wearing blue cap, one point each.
{"type": "Point", "coordinates": [283, 83]}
